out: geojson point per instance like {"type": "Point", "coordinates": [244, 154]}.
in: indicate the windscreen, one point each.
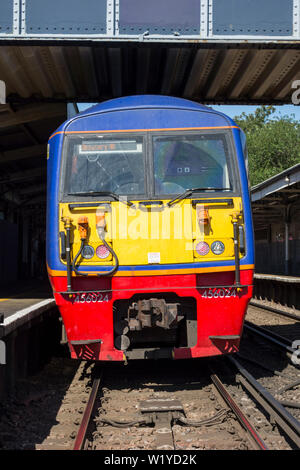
{"type": "Point", "coordinates": [191, 161]}
{"type": "Point", "coordinates": [119, 164]}
{"type": "Point", "coordinates": [108, 164]}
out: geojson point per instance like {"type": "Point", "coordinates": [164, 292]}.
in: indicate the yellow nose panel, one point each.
{"type": "Point", "coordinates": [159, 234]}
{"type": "Point", "coordinates": [156, 235]}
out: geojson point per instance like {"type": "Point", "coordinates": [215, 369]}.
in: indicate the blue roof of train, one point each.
{"type": "Point", "coordinates": [144, 101]}
{"type": "Point", "coordinates": [140, 102]}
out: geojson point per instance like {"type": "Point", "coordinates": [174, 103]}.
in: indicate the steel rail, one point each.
{"type": "Point", "coordinates": [257, 304]}
{"type": "Point", "coordinates": [259, 443]}
{"type": "Point", "coordinates": [274, 338]}
{"type": "Point", "coordinates": [80, 438]}
{"type": "Point", "coordinates": [276, 411]}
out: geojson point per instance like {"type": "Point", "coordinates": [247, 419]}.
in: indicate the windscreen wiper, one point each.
{"type": "Point", "coordinates": [188, 192]}
{"type": "Point", "coordinates": [103, 193]}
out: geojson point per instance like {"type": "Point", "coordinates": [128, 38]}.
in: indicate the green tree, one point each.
{"type": "Point", "coordinates": [273, 142]}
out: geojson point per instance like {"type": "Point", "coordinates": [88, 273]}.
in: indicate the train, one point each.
{"type": "Point", "coordinates": [150, 250]}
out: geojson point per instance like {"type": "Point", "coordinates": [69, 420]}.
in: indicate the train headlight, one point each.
{"type": "Point", "coordinates": [102, 252]}
{"type": "Point", "coordinates": [202, 248]}
{"type": "Point", "coordinates": [217, 247]}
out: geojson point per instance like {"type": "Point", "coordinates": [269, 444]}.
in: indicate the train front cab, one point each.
{"type": "Point", "coordinates": [177, 279]}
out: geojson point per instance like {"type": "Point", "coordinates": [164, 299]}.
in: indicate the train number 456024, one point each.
{"type": "Point", "coordinates": [91, 297]}
{"type": "Point", "coordinates": [217, 293]}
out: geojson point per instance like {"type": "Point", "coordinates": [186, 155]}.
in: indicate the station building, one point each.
{"type": "Point", "coordinates": [276, 216]}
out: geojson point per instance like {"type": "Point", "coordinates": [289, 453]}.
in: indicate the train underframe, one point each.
{"type": "Point", "coordinates": [152, 317]}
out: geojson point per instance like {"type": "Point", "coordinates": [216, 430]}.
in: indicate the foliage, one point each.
{"type": "Point", "coordinates": [273, 142]}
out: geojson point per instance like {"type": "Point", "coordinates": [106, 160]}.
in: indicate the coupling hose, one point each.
{"type": "Point", "coordinates": [101, 234]}
{"type": "Point", "coordinates": [76, 258]}
{"type": "Point", "coordinates": [108, 273]}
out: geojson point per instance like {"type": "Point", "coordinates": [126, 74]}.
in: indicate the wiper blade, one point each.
{"type": "Point", "coordinates": [188, 192]}
{"type": "Point", "coordinates": [102, 193]}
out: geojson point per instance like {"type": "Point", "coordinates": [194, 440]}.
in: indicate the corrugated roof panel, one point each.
{"type": "Point", "coordinates": [92, 73]}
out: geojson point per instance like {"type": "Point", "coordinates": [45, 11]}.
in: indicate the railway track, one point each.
{"type": "Point", "coordinates": [163, 414]}
{"type": "Point", "coordinates": [185, 405]}
{"type": "Point", "coordinates": [271, 344]}
{"type": "Point", "coordinates": [279, 341]}
{"type": "Point", "coordinates": [272, 404]}
{"type": "Point", "coordinates": [131, 412]}
{"type": "Point", "coordinates": [274, 408]}
{"type": "Point", "coordinates": [275, 309]}
{"type": "Point", "coordinates": [279, 328]}
{"type": "Point", "coordinates": [80, 442]}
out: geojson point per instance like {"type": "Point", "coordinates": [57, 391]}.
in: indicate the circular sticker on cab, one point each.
{"type": "Point", "coordinates": [87, 252]}
{"type": "Point", "coordinates": [217, 247]}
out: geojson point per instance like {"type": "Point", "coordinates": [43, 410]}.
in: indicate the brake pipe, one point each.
{"type": "Point", "coordinates": [83, 225]}
{"type": "Point", "coordinates": [100, 227]}
{"type": "Point", "coordinates": [235, 217]}
{"type": "Point", "coordinates": [67, 224]}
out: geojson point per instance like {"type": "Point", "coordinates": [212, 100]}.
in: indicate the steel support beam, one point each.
{"type": "Point", "coordinates": [23, 153]}
{"type": "Point", "coordinates": [31, 114]}
{"type": "Point", "coordinates": [26, 175]}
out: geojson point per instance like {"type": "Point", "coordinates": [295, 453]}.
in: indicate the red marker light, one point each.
{"type": "Point", "coordinates": [202, 248]}
{"type": "Point", "coordinates": [102, 252]}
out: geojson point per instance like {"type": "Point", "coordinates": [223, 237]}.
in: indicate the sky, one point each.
{"type": "Point", "coordinates": [236, 110]}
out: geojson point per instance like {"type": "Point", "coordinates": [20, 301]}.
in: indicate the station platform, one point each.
{"type": "Point", "coordinates": [30, 331]}
{"type": "Point", "coordinates": [278, 278]}
{"type": "Point", "coordinates": [277, 291]}
{"type": "Point", "coordinates": [22, 303]}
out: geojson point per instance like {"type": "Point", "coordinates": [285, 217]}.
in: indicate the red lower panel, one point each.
{"type": "Point", "coordinates": [90, 318]}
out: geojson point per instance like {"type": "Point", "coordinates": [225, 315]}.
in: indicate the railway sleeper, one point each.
{"type": "Point", "coordinates": [163, 414]}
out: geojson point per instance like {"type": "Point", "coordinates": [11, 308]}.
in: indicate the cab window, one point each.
{"type": "Point", "coordinates": [191, 161]}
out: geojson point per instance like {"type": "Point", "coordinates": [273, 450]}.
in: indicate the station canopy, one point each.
{"type": "Point", "coordinates": [70, 51]}
{"type": "Point", "coordinates": [273, 199]}
{"type": "Point", "coordinates": [210, 51]}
